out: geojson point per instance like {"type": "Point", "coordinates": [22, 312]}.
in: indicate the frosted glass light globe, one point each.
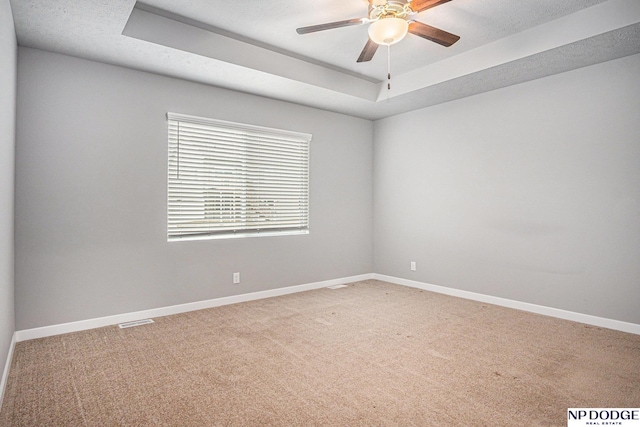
{"type": "Point", "coordinates": [388, 31]}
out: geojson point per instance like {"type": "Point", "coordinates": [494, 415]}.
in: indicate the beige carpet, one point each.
{"type": "Point", "coordinates": [370, 354]}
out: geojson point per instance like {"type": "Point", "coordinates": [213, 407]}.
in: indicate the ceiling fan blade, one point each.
{"type": "Point", "coordinates": [368, 51]}
{"type": "Point", "coordinates": [330, 25]}
{"type": "Point", "coordinates": [432, 33]}
{"type": "Point", "coordinates": [420, 5]}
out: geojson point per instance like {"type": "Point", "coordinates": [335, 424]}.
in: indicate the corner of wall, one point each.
{"type": "Point", "coordinates": [8, 80]}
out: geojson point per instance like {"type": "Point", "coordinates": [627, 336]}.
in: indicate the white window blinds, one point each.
{"type": "Point", "coordinates": [230, 179]}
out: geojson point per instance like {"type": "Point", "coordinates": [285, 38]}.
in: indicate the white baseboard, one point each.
{"type": "Point", "coordinates": [82, 325]}
{"type": "Point", "coordinates": [524, 306]}
{"type": "Point", "coordinates": [7, 366]}
{"type": "Point", "coordinates": [47, 331]}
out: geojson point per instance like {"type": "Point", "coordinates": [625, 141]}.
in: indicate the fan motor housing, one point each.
{"type": "Point", "coordinates": [390, 9]}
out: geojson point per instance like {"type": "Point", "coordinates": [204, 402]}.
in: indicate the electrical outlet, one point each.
{"type": "Point", "coordinates": [413, 266]}
{"type": "Point", "coordinates": [236, 278]}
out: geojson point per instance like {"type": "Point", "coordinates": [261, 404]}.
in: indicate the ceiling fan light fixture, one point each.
{"type": "Point", "coordinates": [388, 31]}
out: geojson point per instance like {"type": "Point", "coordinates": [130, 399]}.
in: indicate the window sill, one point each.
{"type": "Point", "coordinates": [238, 235]}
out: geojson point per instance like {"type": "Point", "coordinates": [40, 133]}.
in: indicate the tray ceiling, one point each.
{"type": "Point", "coordinates": [253, 47]}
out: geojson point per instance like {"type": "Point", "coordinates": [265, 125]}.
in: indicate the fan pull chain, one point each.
{"type": "Point", "coordinates": [388, 72]}
{"type": "Point", "coordinates": [388, 69]}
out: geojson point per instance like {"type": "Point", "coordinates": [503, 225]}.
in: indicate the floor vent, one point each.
{"type": "Point", "coordinates": [337, 286]}
{"type": "Point", "coordinates": [135, 323]}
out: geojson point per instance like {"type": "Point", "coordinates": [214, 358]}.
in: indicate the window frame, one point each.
{"type": "Point", "coordinates": [262, 164]}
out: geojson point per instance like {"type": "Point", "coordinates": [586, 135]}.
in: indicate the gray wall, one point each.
{"type": "Point", "coordinates": [530, 192]}
{"type": "Point", "coordinates": [8, 60]}
{"type": "Point", "coordinates": [7, 162]}
{"type": "Point", "coordinates": [91, 172]}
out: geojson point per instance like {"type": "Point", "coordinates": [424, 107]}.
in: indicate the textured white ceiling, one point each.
{"type": "Point", "coordinates": [252, 46]}
{"type": "Point", "coordinates": [274, 23]}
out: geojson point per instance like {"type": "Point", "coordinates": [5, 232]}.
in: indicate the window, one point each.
{"type": "Point", "coordinates": [234, 180]}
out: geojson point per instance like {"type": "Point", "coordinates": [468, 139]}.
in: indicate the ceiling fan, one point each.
{"type": "Point", "coordinates": [390, 21]}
